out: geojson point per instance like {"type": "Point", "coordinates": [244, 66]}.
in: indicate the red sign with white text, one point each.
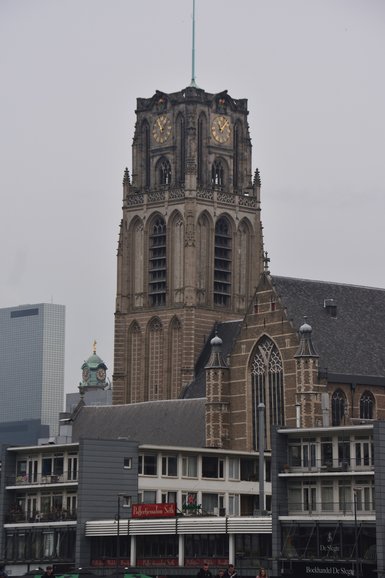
{"type": "Point", "coordinates": [153, 510]}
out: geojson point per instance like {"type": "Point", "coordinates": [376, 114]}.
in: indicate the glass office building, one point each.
{"type": "Point", "coordinates": [32, 363]}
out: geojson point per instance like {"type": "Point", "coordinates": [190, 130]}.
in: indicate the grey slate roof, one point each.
{"type": "Point", "coordinates": [172, 423]}
{"type": "Point", "coordinates": [228, 332]}
{"type": "Point", "coordinates": [351, 343]}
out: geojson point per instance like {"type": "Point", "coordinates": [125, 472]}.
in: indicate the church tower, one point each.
{"type": "Point", "coordinates": [190, 244]}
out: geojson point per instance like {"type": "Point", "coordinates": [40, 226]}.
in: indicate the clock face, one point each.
{"type": "Point", "coordinates": [220, 129]}
{"type": "Point", "coordinates": [86, 374]}
{"type": "Point", "coordinates": [161, 129]}
{"type": "Point", "coordinates": [101, 374]}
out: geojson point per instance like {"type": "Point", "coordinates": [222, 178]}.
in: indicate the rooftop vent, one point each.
{"type": "Point", "coordinates": [330, 306]}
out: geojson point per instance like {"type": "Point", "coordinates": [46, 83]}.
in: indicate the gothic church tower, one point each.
{"type": "Point", "coordinates": [190, 245]}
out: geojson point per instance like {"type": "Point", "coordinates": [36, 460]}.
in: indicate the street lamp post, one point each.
{"type": "Point", "coordinates": [127, 498]}
{"type": "Point", "coordinates": [357, 569]}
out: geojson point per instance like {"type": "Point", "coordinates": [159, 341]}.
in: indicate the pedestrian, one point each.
{"type": "Point", "coordinates": [220, 574]}
{"type": "Point", "coordinates": [262, 573]}
{"type": "Point", "coordinates": [49, 573]}
{"type": "Point", "coordinates": [230, 572]}
{"type": "Point", "coordinates": [204, 572]}
{"type": "Point", "coordinates": [3, 573]}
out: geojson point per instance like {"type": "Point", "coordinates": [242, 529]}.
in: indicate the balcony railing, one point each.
{"type": "Point", "coordinates": [57, 515]}
{"type": "Point", "coordinates": [333, 465]}
{"type": "Point", "coordinates": [41, 479]}
{"type": "Point", "coordinates": [340, 509]}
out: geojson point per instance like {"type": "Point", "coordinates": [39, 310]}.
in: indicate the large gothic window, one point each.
{"type": "Point", "coordinates": [135, 369]}
{"type": "Point", "coordinates": [146, 152]}
{"type": "Point", "coordinates": [175, 359]}
{"type": "Point", "coordinates": [367, 405]}
{"type": "Point", "coordinates": [339, 407]}
{"type": "Point", "coordinates": [181, 149]}
{"type": "Point", "coordinates": [155, 359]}
{"type": "Point", "coordinates": [164, 171]}
{"type": "Point", "coordinates": [217, 174]}
{"type": "Point", "coordinates": [157, 268]}
{"type": "Point", "coordinates": [222, 262]}
{"type": "Point", "coordinates": [267, 387]}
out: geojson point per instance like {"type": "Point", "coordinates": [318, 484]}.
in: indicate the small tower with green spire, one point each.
{"type": "Point", "coordinates": [94, 373]}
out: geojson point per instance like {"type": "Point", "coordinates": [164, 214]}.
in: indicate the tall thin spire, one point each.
{"type": "Point", "coordinates": [193, 83]}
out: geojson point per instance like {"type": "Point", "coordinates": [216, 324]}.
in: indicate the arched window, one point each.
{"type": "Point", "coordinates": [367, 405]}
{"type": "Point", "coordinates": [158, 263]}
{"type": "Point", "coordinates": [135, 369]}
{"type": "Point", "coordinates": [155, 359]}
{"type": "Point", "coordinates": [217, 174]}
{"type": "Point", "coordinates": [339, 407]}
{"type": "Point", "coordinates": [175, 359]}
{"type": "Point", "coordinates": [267, 387]}
{"type": "Point", "coordinates": [181, 148]}
{"type": "Point", "coordinates": [146, 152]}
{"type": "Point", "coordinates": [164, 171]}
{"type": "Point", "coordinates": [222, 262]}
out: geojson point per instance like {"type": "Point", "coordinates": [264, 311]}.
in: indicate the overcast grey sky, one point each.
{"type": "Point", "coordinates": [71, 70]}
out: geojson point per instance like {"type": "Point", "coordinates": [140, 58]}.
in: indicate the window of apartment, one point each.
{"type": "Point", "coordinates": [127, 463]}
{"type": "Point", "coordinates": [170, 466]}
{"type": "Point", "coordinates": [233, 509]}
{"type": "Point", "coordinates": [294, 494]}
{"type": "Point", "coordinates": [190, 504]}
{"type": "Point", "coordinates": [345, 496]}
{"type": "Point", "coordinates": [364, 496]}
{"type": "Point", "coordinates": [302, 453]}
{"type": "Point", "coordinates": [190, 467]}
{"type": "Point", "coordinates": [212, 503]}
{"type": "Point", "coordinates": [52, 465]}
{"type": "Point", "coordinates": [343, 451]}
{"type": "Point", "coordinates": [147, 497]}
{"type": "Point", "coordinates": [327, 499]}
{"type": "Point", "coordinates": [233, 468]}
{"type": "Point", "coordinates": [309, 497]}
{"type": "Point", "coordinates": [72, 467]}
{"type": "Point", "coordinates": [362, 448]}
{"type": "Point", "coordinates": [147, 465]}
{"type": "Point", "coordinates": [249, 469]}
{"type": "Point", "coordinates": [326, 452]}
{"type": "Point", "coordinates": [212, 467]}
{"type": "Point", "coordinates": [168, 498]}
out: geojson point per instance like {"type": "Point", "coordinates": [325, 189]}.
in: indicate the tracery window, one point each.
{"type": "Point", "coordinates": [267, 387]}
{"type": "Point", "coordinates": [237, 156]}
{"type": "Point", "coordinates": [222, 262]}
{"type": "Point", "coordinates": [339, 407]}
{"type": "Point", "coordinates": [164, 168]}
{"type": "Point", "coordinates": [135, 356]}
{"type": "Point", "coordinates": [157, 266]}
{"type": "Point", "coordinates": [367, 405]}
{"type": "Point", "coordinates": [217, 173]}
{"type": "Point", "coordinates": [175, 359]}
{"type": "Point", "coordinates": [155, 359]}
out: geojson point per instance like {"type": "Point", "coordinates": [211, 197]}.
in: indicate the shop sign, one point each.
{"type": "Point", "coordinates": [153, 510]}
